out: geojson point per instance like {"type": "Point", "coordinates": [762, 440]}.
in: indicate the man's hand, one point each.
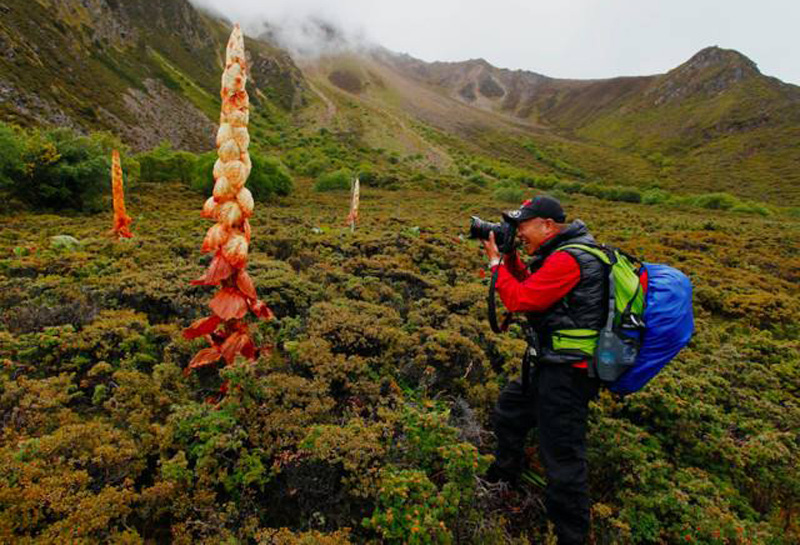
{"type": "Point", "coordinates": [492, 252]}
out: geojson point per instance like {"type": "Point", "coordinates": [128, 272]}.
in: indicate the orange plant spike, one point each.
{"type": "Point", "coordinates": [121, 219]}
{"type": "Point", "coordinates": [230, 206]}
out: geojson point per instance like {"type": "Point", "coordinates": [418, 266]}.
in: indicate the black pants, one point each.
{"type": "Point", "coordinates": [557, 400]}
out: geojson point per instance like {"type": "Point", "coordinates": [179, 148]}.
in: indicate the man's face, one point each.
{"type": "Point", "coordinates": [534, 232]}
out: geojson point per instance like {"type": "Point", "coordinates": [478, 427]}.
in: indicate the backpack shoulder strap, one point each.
{"type": "Point", "coordinates": [597, 251]}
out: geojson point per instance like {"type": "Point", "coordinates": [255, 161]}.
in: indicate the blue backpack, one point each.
{"type": "Point", "coordinates": [644, 329]}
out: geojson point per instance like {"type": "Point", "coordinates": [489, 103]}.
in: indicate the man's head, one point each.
{"type": "Point", "coordinates": [537, 220]}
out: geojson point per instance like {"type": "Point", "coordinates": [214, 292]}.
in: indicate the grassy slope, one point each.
{"type": "Point", "coordinates": [400, 113]}
{"type": "Point", "coordinates": [742, 139]}
{"type": "Point", "coordinates": [713, 123]}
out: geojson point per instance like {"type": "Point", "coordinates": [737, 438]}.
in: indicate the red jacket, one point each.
{"type": "Point", "coordinates": [522, 291]}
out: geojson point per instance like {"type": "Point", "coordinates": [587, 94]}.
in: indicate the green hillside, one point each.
{"type": "Point", "coordinates": [715, 123]}
{"type": "Point", "coordinates": [146, 70]}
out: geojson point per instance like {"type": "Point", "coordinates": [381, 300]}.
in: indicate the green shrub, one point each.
{"type": "Point", "coordinates": [478, 180]}
{"type": "Point", "coordinates": [568, 187]}
{"type": "Point", "coordinates": [202, 178]}
{"type": "Point", "coordinates": [163, 164]}
{"type": "Point", "coordinates": [655, 196]}
{"type": "Point", "coordinates": [597, 190]}
{"type": "Point", "coordinates": [626, 194]}
{"type": "Point", "coordinates": [269, 177]}
{"type": "Point", "coordinates": [131, 168]}
{"type": "Point", "coordinates": [334, 181]}
{"type": "Point", "coordinates": [544, 182]}
{"type": "Point", "coordinates": [752, 208]}
{"type": "Point", "coordinates": [11, 147]}
{"type": "Point", "coordinates": [314, 167]}
{"type": "Point", "coordinates": [509, 194]}
{"type": "Point", "coordinates": [54, 169]}
{"type": "Point", "coordinates": [716, 201]}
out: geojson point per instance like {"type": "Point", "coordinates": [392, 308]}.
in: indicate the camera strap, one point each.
{"type": "Point", "coordinates": [492, 303]}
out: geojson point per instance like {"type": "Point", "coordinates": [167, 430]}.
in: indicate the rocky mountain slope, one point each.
{"type": "Point", "coordinates": [147, 70]}
{"type": "Point", "coordinates": [713, 123]}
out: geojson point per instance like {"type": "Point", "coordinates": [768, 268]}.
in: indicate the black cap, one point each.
{"type": "Point", "coordinates": [541, 206]}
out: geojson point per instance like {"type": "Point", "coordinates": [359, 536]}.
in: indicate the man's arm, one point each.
{"type": "Point", "coordinates": [513, 263]}
{"type": "Point", "coordinates": [540, 290]}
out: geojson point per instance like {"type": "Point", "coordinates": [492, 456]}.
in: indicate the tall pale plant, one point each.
{"type": "Point", "coordinates": [230, 207]}
{"type": "Point", "coordinates": [352, 218]}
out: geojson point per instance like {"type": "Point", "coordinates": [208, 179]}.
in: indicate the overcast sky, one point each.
{"type": "Point", "coordinates": [557, 38]}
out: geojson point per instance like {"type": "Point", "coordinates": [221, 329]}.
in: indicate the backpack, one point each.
{"type": "Point", "coordinates": [645, 328]}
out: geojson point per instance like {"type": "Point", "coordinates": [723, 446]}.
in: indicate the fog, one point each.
{"type": "Point", "coordinates": [571, 39]}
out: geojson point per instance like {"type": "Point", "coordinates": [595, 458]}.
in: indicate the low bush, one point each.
{"type": "Point", "coordinates": [569, 187]}
{"type": "Point", "coordinates": [625, 194]}
{"type": "Point", "coordinates": [655, 196]}
{"type": "Point", "coordinates": [268, 178]}
{"type": "Point", "coordinates": [334, 181]}
{"type": "Point", "coordinates": [715, 201]}
{"type": "Point", "coordinates": [163, 164]}
{"type": "Point", "coordinates": [54, 169]}
{"type": "Point", "coordinates": [752, 208]}
{"type": "Point", "coordinates": [509, 194]}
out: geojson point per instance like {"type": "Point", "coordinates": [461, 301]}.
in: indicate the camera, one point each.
{"type": "Point", "coordinates": [504, 233]}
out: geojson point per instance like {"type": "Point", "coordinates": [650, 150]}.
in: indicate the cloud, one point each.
{"type": "Point", "coordinates": [306, 28]}
{"type": "Point", "coordinates": [575, 39]}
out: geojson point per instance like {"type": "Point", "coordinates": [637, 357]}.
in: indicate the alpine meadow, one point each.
{"type": "Point", "coordinates": [230, 345]}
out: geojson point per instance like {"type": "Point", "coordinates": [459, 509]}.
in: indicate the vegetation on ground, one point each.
{"type": "Point", "coordinates": [370, 420]}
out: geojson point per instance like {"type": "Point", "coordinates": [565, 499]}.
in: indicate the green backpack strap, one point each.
{"type": "Point", "coordinates": [596, 251]}
{"type": "Point", "coordinates": [603, 256]}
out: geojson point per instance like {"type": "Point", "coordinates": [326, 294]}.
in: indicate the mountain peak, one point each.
{"type": "Point", "coordinates": [716, 56]}
{"type": "Point", "coordinates": [710, 71]}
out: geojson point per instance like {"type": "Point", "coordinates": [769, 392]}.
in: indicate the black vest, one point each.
{"type": "Point", "coordinates": [585, 307]}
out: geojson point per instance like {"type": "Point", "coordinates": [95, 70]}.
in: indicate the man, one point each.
{"type": "Point", "coordinates": [563, 295]}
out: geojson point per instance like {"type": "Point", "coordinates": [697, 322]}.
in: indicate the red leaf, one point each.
{"type": "Point", "coordinates": [206, 356]}
{"type": "Point", "coordinates": [249, 349]}
{"type": "Point", "coordinates": [201, 327]}
{"type": "Point", "coordinates": [235, 344]}
{"type": "Point", "coordinates": [481, 273]}
{"type": "Point", "coordinates": [245, 284]}
{"type": "Point", "coordinates": [229, 304]}
{"type": "Point", "coordinates": [217, 271]}
{"type": "Point", "coordinates": [261, 310]}
{"type": "Point", "coordinates": [247, 230]}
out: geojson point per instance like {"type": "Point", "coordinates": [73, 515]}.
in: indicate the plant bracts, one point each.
{"type": "Point", "coordinates": [352, 217]}
{"type": "Point", "coordinates": [230, 207]}
{"type": "Point", "coordinates": [121, 219]}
